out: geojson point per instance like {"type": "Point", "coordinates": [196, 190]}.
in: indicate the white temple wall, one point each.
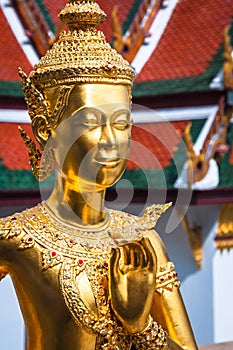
{"type": "Point", "coordinates": [223, 287]}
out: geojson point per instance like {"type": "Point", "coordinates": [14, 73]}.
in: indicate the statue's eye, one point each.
{"type": "Point", "coordinates": [122, 120]}
{"type": "Point", "coordinates": [91, 118]}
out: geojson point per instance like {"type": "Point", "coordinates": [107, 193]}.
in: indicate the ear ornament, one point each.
{"type": "Point", "coordinates": [41, 163]}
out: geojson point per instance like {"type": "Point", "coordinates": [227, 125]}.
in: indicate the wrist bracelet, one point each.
{"type": "Point", "coordinates": [153, 337]}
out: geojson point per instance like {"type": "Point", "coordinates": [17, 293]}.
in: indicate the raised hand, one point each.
{"type": "Point", "coordinates": [132, 283]}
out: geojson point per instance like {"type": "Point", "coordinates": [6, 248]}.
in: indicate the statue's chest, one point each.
{"type": "Point", "coordinates": [80, 269]}
{"type": "Point", "coordinates": [84, 285]}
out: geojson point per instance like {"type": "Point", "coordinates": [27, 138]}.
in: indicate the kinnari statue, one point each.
{"type": "Point", "coordinates": [88, 277]}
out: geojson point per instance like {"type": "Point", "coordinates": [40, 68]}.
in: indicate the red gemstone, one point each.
{"type": "Point", "coordinates": [54, 254]}
{"type": "Point", "coordinates": [30, 239]}
{"type": "Point", "coordinates": [105, 264]}
{"type": "Point", "coordinates": [71, 241]}
{"type": "Point", "coordinates": [80, 261]}
{"type": "Point", "coordinates": [169, 277]}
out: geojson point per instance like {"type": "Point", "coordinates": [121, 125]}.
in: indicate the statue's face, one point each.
{"type": "Point", "coordinates": [93, 139]}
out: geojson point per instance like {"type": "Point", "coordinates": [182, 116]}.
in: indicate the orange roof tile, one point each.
{"type": "Point", "coordinates": [154, 144]}
{"type": "Point", "coordinates": [13, 152]}
{"type": "Point", "coordinates": [190, 40]}
{"type": "Point", "coordinates": [11, 55]}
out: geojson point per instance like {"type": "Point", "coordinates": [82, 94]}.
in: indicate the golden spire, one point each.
{"type": "Point", "coordinates": [81, 54]}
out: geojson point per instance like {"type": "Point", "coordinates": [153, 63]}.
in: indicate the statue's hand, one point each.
{"type": "Point", "coordinates": [132, 283]}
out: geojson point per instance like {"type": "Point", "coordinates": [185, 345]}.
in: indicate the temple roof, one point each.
{"type": "Point", "coordinates": [158, 154]}
{"type": "Point", "coordinates": [11, 57]}
{"type": "Point", "coordinates": [189, 53]}
{"type": "Point", "coordinates": [161, 142]}
{"type": "Point", "coordinates": [187, 57]}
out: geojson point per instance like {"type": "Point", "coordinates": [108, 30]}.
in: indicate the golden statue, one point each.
{"type": "Point", "coordinates": [88, 277]}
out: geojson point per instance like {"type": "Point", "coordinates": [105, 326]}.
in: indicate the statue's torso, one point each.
{"type": "Point", "coordinates": [61, 277]}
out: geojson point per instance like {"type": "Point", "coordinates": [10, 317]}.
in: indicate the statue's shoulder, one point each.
{"type": "Point", "coordinates": [125, 227]}
{"type": "Point", "coordinates": [151, 215]}
{"type": "Point", "coordinates": [146, 222]}
{"type": "Point", "coordinates": [12, 226]}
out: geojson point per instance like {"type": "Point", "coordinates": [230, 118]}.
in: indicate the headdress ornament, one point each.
{"type": "Point", "coordinates": [80, 55]}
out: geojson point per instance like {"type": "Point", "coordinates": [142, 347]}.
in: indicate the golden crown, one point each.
{"type": "Point", "coordinates": [81, 54]}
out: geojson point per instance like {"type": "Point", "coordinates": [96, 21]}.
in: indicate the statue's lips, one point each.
{"type": "Point", "coordinates": [110, 162]}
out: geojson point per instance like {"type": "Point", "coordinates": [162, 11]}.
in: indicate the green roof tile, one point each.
{"type": "Point", "coordinates": [192, 84]}
{"type": "Point", "coordinates": [131, 15]}
{"type": "Point", "coordinates": [46, 15]}
{"type": "Point", "coordinates": [11, 88]}
{"type": "Point", "coordinates": [16, 179]}
{"type": "Point", "coordinates": [21, 179]}
{"type": "Point", "coordinates": [225, 168]}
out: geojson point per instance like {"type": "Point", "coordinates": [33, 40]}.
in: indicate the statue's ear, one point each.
{"type": "Point", "coordinates": [41, 130]}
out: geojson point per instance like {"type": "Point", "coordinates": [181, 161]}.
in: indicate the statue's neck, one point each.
{"type": "Point", "coordinates": [77, 203]}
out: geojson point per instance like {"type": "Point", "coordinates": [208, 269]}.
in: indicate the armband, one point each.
{"type": "Point", "coordinates": [166, 278]}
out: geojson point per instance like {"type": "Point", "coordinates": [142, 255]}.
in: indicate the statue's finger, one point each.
{"type": "Point", "coordinates": [137, 254]}
{"type": "Point", "coordinates": [151, 255]}
{"type": "Point", "coordinates": [114, 262]}
{"type": "Point", "coordinates": [125, 254]}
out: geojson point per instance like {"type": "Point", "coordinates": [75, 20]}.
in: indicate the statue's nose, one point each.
{"type": "Point", "coordinates": [108, 137]}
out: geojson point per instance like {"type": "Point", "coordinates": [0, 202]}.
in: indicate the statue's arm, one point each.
{"type": "Point", "coordinates": [3, 265]}
{"type": "Point", "coordinates": [168, 308]}
{"type": "Point", "coordinates": [8, 232]}
{"type": "Point", "coordinates": [3, 272]}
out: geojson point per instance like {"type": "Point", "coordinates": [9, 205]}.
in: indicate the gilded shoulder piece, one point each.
{"type": "Point", "coordinates": [152, 214]}
{"type": "Point", "coordinates": [10, 227]}
{"type": "Point", "coordinates": [166, 278]}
